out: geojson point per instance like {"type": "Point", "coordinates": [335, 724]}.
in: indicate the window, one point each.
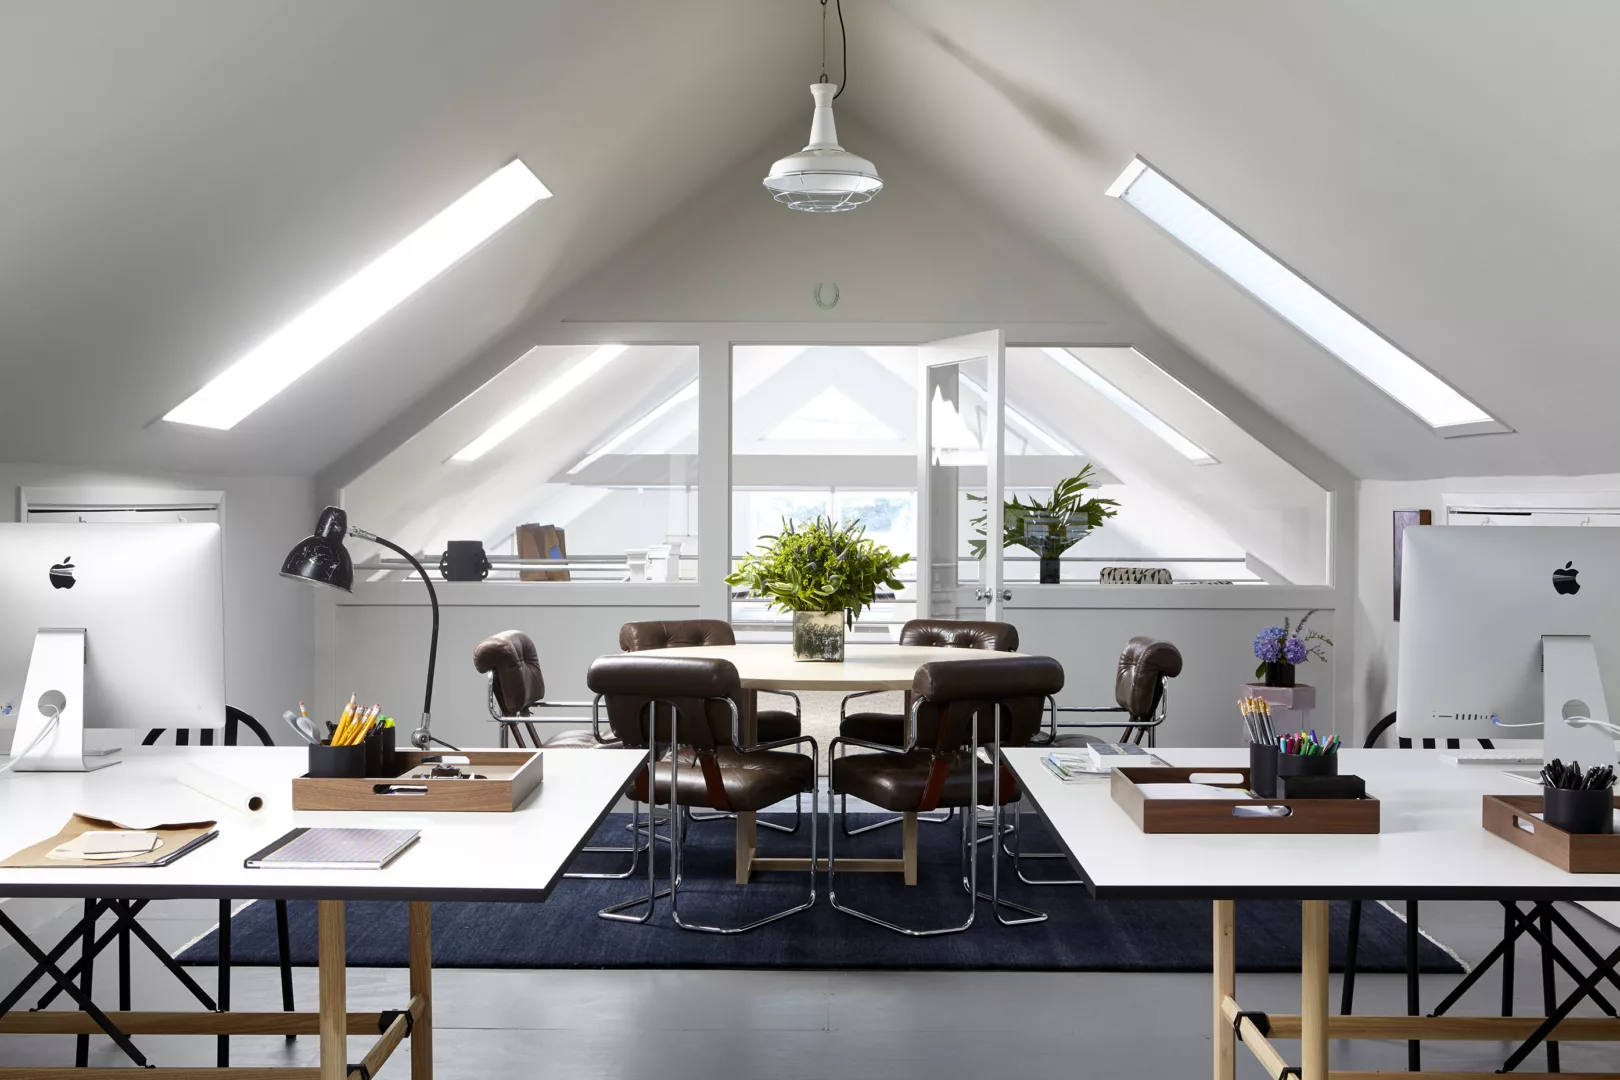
{"type": "Point", "coordinates": [597, 441]}
{"type": "Point", "coordinates": [1313, 313]}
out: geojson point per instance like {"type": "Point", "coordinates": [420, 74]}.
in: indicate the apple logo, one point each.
{"type": "Point", "coordinates": [62, 574]}
{"type": "Point", "coordinates": [1564, 582]}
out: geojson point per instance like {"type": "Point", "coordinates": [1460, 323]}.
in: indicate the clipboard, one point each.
{"type": "Point", "coordinates": [177, 838]}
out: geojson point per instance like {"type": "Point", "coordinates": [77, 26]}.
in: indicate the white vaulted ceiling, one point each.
{"type": "Point", "coordinates": [178, 178]}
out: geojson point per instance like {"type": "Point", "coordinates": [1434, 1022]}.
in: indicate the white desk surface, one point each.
{"type": "Point", "coordinates": [864, 667]}
{"type": "Point", "coordinates": [1432, 845]}
{"type": "Point", "coordinates": [460, 856]}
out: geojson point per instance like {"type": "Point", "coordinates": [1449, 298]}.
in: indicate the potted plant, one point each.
{"type": "Point", "coordinates": [1050, 528]}
{"type": "Point", "coordinates": [1280, 648]}
{"type": "Point", "coordinates": [825, 574]}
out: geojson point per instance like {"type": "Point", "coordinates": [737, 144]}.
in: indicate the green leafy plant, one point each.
{"type": "Point", "coordinates": [1049, 528]}
{"type": "Point", "coordinates": [820, 566]}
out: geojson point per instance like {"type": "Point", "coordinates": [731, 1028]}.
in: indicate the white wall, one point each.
{"type": "Point", "coordinates": [381, 632]}
{"type": "Point", "coordinates": [1376, 634]}
{"type": "Point", "coordinates": [268, 651]}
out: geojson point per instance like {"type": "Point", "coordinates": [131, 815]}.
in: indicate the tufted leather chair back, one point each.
{"type": "Point", "coordinates": [951, 634]}
{"type": "Point", "coordinates": [511, 657]}
{"type": "Point", "coordinates": [1143, 666]}
{"type": "Point", "coordinates": [675, 634]}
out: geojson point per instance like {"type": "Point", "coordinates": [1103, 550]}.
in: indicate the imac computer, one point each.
{"type": "Point", "coordinates": [1511, 632]}
{"type": "Point", "coordinates": [118, 626]}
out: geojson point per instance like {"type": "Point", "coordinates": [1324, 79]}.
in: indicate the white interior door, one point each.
{"type": "Point", "coordinates": [961, 390]}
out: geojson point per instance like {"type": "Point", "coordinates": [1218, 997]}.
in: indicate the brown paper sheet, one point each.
{"type": "Point", "coordinates": [176, 837]}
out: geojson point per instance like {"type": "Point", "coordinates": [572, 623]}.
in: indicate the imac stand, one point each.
{"type": "Point", "coordinates": [1572, 686]}
{"type": "Point", "coordinates": [53, 693]}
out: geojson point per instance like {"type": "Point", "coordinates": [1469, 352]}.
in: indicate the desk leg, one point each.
{"type": "Point", "coordinates": [421, 919]}
{"type": "Point", "coordinates": [1225, 967]}
{"type": "Point", "coordinates": [1313, 990]}
{"type": "Point", "coordinates": [333, 958]}
{"type": "Point", "coordinates": [747, 841]}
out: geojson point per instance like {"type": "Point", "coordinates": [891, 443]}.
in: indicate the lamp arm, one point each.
{"type": "Point", "coordinates": [421, 738]}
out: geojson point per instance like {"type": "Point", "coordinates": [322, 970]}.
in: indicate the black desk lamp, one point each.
{"type": "Point", "coordinates": [323, 560]}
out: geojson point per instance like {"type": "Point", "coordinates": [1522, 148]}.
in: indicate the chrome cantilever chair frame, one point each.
{"type": "Point", "coordinates": [843, 800]}
{"type": "Point", "coordinates": [1053, 708]}
{"type": "Point", "coordinates": [798, 801]}
{"type": "Point", "coordinates": [637, 829]}
{"type": "Point", "coordinates": [654, 894]}
{"type": "Point", "coordinates": [970, 847]}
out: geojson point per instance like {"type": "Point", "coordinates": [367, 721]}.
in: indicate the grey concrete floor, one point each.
{"type": "Point", "coordinates": [790, 1024]}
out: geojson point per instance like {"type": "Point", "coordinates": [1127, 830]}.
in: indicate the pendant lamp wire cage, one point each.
{"type": "Point", "coordinates": [824, 178]}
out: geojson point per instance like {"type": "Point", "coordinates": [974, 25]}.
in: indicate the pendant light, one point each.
{"type": "Point", "coordinates": [824, 178]}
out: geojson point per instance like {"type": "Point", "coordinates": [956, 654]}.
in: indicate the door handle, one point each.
{"type": "Point", "coordinates": [981, 595]}
{"type": "Point", "coordinates": [1006, 594]}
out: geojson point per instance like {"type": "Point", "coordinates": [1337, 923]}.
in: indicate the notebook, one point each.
{"type": "Point", "coordinates": [333, 849]}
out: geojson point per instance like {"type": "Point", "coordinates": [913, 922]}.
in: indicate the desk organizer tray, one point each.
{"type": "Point", "coordinates": [1159, 814]}
{"type": "Point", "coordinates": [1512, 817]}
{"type": "Point", "coordinates": [508, 777]}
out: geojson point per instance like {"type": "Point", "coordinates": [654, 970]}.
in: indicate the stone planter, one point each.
{"type": "Point", "coordinates": [818, 635]}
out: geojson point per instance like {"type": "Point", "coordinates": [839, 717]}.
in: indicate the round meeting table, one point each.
{"type": "Point", "coordinates": [864, 667]}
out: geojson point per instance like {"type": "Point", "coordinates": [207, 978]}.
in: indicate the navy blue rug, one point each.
{"type": "Point", "coordinates": [1082, 934]}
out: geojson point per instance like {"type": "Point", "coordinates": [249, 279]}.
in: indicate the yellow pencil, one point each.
{"type": "Point", "coordinates": [343, 722]}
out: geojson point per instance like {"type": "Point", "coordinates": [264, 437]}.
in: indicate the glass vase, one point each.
{"type": "Point", "coordinates": [818, 635]}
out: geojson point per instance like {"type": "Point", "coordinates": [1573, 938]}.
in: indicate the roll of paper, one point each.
{"type": "Point", "coordinates": [220, 788]}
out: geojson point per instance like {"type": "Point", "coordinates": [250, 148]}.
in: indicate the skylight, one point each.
{"type": "Point", "coordinates": [684, 394]}
{"type": "Point", "coordinates": [1318, 317]}
{"type": "Point", "coordinates": [362, 300]}
{"type": "Point", "coordinates": [549, 395]}
{"type": "Point", "coordinates": [1131, 407]}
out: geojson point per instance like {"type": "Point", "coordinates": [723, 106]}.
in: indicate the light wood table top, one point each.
{"type": "Point", "coordinates": [864, 667]}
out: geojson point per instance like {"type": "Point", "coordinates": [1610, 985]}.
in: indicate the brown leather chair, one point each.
{"type": "Point", "coordinates": [965, 706]}
{"type": "Point", "coordinates": [889, 728]}
{"type": "Point", "coordinates": [516, 688]}
{"type": "Point", "coordinates": [772, 725]}
{"type": "Point", "coordinates": [1145, 664]}
{"type": "Point", "coordinates": [702, 762]}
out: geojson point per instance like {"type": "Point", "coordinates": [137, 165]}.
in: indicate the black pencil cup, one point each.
{"type": "Point", "coordinates": [1588, 810]}
{"type": "Point", "coordinates": [327, 760]}
{"type": "Point", "coordinates": [1263, 769]}
{"type": "Point", "coordinates": [1308, 764]}
{"type": "Point", "coordinates": [380, 757]}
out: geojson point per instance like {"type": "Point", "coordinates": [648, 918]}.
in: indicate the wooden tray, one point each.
{"type": "Point", "coordinates": [1161, 815]}
{"type": "Point", "coordinates": [1512, 818]}
{"type": "Point", "coordinates": [521, 769]}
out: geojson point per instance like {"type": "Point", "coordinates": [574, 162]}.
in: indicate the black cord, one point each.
{"type": "Point", "coordinates": [843, 39]}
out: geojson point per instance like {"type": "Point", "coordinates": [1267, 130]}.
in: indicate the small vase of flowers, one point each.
{"type": "Point", "coordinates": [1280, 648]}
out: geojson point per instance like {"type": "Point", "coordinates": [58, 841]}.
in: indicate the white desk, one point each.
{"type": "Point", "coordinates": [1432, 846]}
{"type": "Point", "coordinates": [461, 856]}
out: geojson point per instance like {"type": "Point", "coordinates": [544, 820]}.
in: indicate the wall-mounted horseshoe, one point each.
{"type": "Point", "coordinates": [827, 305]}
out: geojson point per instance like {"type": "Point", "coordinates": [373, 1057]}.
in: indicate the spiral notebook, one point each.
{"type": "Point", "coordinates": [333, 849]}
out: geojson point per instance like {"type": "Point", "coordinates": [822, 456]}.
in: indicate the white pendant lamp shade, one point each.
{"type": "Point", "coordinates": [823, 178]}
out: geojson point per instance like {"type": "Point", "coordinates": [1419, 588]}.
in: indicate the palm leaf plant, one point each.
{"type": "Point", "coordinates": [1052, 527]}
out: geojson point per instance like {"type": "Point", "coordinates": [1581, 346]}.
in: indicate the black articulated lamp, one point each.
{"type": "Point", "coordinates": [323, 560]}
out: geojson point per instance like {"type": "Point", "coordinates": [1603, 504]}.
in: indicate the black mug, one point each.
{"type": "Point", "coordinates": [1308, 764]}
{"type": "Point", "coordinates": [1263, 769]}
{"type": "Point", "coordinates": [464, 560]}
{"type": "Point", "coordinates": [1583, 810]}
{"type": "Point", "coordinates": [329, 761]}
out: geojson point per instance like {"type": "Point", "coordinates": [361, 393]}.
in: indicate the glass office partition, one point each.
{"type": "Point", "coordinates": [575, 463]}
{"type": "Point", "coordinates": [824, 431]}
